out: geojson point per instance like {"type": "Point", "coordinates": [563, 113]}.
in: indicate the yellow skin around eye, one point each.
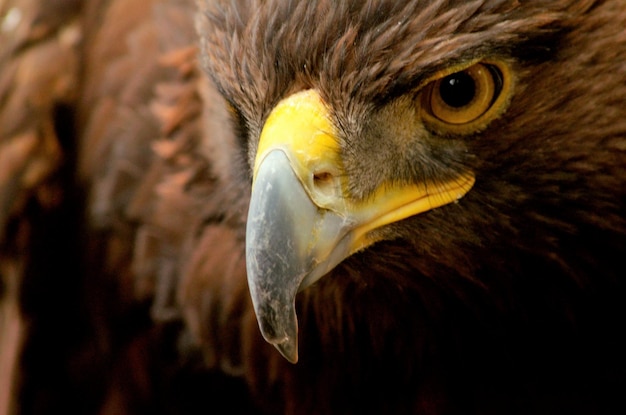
{"type": "Point", "coordinates": [474, 117]}
{"type": "Point", "coordinates": [485, 90]}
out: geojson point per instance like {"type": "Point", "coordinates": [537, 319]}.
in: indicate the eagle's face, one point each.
{"type": "Point", "coordinates": [457, 131]}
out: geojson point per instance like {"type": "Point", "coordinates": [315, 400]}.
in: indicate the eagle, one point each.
{"type": "Point", "coordinates": [312, 206]}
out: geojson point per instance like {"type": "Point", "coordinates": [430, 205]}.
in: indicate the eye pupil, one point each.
{"type": "Point", "coordinates": [457, 90]}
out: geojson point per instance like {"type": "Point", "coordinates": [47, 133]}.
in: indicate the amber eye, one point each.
{"type": "Point", "coordinates": [464, 97]}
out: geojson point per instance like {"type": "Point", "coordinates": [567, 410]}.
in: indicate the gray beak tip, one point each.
{"type": "Point", "coordinates": [289, 349]}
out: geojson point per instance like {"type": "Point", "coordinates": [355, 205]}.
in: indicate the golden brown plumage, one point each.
{"type": "Point", "coordinates": [128, 136]}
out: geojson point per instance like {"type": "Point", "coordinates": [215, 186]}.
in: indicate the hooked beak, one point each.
{"type": "Point", "coordinates": [302, 222]}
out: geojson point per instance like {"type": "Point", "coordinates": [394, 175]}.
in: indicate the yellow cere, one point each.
{"type": "Point", "coordinates": [299, 125]}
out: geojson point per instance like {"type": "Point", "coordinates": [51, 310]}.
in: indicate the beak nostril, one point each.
{"type": "Point", "coordinates": [324, 181]}
{"type": "Point", "coordinates": [320, 179]}
{"type": "Point", "coordinates": [324, 188]}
